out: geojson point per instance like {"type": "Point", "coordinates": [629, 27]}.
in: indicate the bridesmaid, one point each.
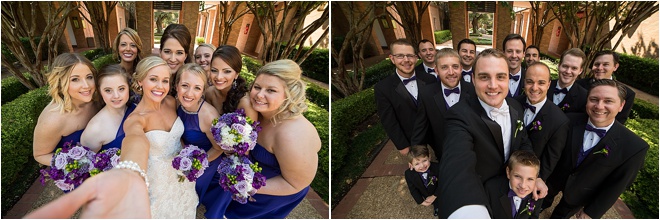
{"type": "Point", "coordinates": [229, 90]}
{"type": "Point", "coordinates": [287, 146]}
{"type": "Point", "coordinates": [174, 49]}
{"type": "Point", "coordinates": [203, 55]}
{"type": "Point", "coordinates": [113, 85]}
{"type": "Point", "coordinates": [128, 49]}
{"type": "Point", "coordinates": [72, 88]}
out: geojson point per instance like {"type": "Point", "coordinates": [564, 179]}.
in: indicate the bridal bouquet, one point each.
{"type": "Point", "coordinates": [190, 163]}
{"type": "Point", "coordinates": [241, 177]}
{"type": "Point", "coordinates": [70, 166]}
{"type": "Point", "coordinates": [235, 132]}
{"type": "Point", "coordinates": [105, 160]}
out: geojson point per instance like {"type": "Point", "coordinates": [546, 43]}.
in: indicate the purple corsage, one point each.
{"type": "Point", "coordinates": [605, 151]}
{"type": "Point", "coordinates": [536, 126]}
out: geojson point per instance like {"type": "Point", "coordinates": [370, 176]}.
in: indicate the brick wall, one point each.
{"type": "Point", "coordinates": [188, 17]}
{"type": "Point", "coordinates": [458, 22]}
{"type": "Point", "coordinates": [502, 24]}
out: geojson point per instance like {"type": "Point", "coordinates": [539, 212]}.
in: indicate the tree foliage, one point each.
{"type": "Point", "coordinates": [283, 38]}
{"type": "Point", "coordinates": [411, 18]}
{"type": "Point", "coordinates": [164, 18]}
{"type": "Point", "coordinates": [229, 13]}
{"type": "Point", "coordinates": [360, 23]}
{"type": "Point", "coordinates": [19, 20]}
{"type": "Point", "coordinates": [99, 15]}
{"type": "Point", "coordinates": [587, 24]}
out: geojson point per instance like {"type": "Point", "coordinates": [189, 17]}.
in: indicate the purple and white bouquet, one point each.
{"type": "Point", "coordinates": [70, 166]}
{"type": "Point", "coordinates": [241, 177]}
{"type": "Point", "coordinates": [235, 132]}
{"type": "Point", "coordinates": [190, 163]}
{"type": "Point", "coordinates": [106, 160]}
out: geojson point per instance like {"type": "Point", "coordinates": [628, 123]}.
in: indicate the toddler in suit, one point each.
{"type": "Point", "coordinates": [422, 177]}
{"type": "Point", "coordinates": [512, 198]}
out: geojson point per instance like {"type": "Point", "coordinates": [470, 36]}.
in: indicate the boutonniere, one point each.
{"type": "Point", "coordinates": [518, 128]}
{"type": "Point", "coordinates": [565, 107]}
{"type": "Point", "coordinates": [605, 151]}
{"type": "Point", "coordinates": [529, 208]}
{"type": "Point", "coordinates": [536, 125]}
{"type": "Point", "coordinates": [432, 180]}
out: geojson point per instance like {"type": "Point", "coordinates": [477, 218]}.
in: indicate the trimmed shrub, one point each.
{"type": "Point", "coordinates": [12, 88]}
{"type": "Point", "coordinates": [643, 109]}
{"type": "Point", "coordinates": [442, 36]}
{"type": "Point", "coordinates": [642, 196]}
{"type": "Point", "coordinates": [251, 65]}
{"type": "Point", "coordinates": [377, 72]}
{"type": "Point", "coordinates": [317, 95]}
{"type": "Point", "coordinates": [104, 61]}
{"type": "Point", "coordinates": [641, 73]}
{"type": "Point", "coordinates": [19, 118]}
{"type": "Point", "coordinates": [93, 53]}
{"type": "Point", "coordinates": [320, 119]}
{"type": "Point", "coordinates": [200, 40]}
{"type": "Point", "coordinates": [346, 114]}
{"type": "Point", "coordinates": [316, 64]}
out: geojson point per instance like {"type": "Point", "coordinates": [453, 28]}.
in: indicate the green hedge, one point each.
{"type": "Point", "coordinates": [318, 95]}
{"type": "Point", "coordinates": [347, 113]}
{"type": "Point", "coordinates": [316, 64]}
{"type": "Point", "coordinates": [19, 118]}
{"type": "Point", "coordinates": [442, 36]}
{"type": "Point", "coordinates": [641, 73]}
{"type": "Point", "coordinates": [377, 72]}
{"type": "Point", "coordinates": [252, 65]}
{"type": "Point", "coordinates": [642, 196]}
{"type": "Point", "coordinates": [644, 109]}
{"type": "Point", "coordinates": [319, 118]}
{"type": "Point", "coordinates": [12, 88]}
{"type": "Point", "coordinates": [93, 54]}
{"type": "Point", "coordinates": [104, 61]}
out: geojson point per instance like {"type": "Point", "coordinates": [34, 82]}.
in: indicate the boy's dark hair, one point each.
{"type": "Point", "coordinates": [525, 158]}
{"type": "Point", "coordinates": [417, 151]}
{"type": "Point", "coordinates": [513, 37]}
{"type": "Point", "coordinates": [465, 41]}
{"type": "Point", "coordinates": [608, 82]}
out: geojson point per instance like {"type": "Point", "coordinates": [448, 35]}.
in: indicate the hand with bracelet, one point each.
{"type": "Point", "coordinates": [117, 193]}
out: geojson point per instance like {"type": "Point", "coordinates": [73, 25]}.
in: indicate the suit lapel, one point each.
{"type": "Point", "coordinates": [493, 127]}
{"type": "Point", "coordinates": [608, 140]}
{"type": "Point", "coordinates": [439, 99]}
{"type": "Point", "coordinates": [403, 92]}
{"type": "Point", "coordinates": [577, 142]}
{"type": "Point", "coordinates": [505, 201]}
{"type": "Point", "coordinates": [514, 126]}
{"type": "Point", "coordinates": [539, 116]}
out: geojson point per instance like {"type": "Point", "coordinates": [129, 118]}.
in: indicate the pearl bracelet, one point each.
{"type": "Point", "coordinates": [127, 164]}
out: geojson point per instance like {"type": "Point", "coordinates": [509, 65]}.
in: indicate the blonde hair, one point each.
{"type": "Point", "coordinates": [195, 69]}
{"type": "Point", "coordinates": [58, 80]}
{"type": "Point", "coordinates": [289, 72]}
{"type": "Point", "coordinates": [142, 68]}
{"type": "Point", "coordinates": [135, 38]}
{"type": "Point", "coordinates": [206, 45]}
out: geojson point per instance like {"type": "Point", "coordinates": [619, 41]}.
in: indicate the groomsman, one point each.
{"type": "Point", "coordinates": [601, 159]}
{"type": "Point", "coordinates": [563, 93]}
{"type": "Point", "coordinates": [532, 55]}
{"type": "Point", "coordinates": [426, 52]}
{"type": "Point", "coordinates": [514, 49]}
{"type": "Point", "coordinates": [396, 95]}
{"type": "Point", "coordinates": [435, 100]}
{"type": "Point", "coordinates": [603, 66]}
{"type": "Point", "coordinates": [467, 49]}
{"type": "Point", "coordinates": [481, 132]}
{"type": "Point", "coordinates": [545, 123]}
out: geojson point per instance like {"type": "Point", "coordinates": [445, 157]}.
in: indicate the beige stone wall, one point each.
{"type": "Point", "coordinates": [643, 42]}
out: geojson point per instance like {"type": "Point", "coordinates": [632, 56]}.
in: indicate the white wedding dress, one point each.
{"type": "Point", "coordinates": [169, 198]}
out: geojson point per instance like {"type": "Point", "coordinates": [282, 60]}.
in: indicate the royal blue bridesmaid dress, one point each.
{"type": "Point", "coordinates": [116, 143]}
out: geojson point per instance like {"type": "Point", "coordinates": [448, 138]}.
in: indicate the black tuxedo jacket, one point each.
{"type": "Point", "coordinates": [521, 84]}
{"type": "Point", "coordinates": [397, 108]}
{"type": "Point", "coordinates": [549, 141]}
{"type": "Point", "coordinates": [576, 99]}
{"type": "Point", "coordinates": [600, 179]}
{"type": "Point", "coordinates": [473, 152]}
{"type": "Point", "coordinates": [630, 98]}
{"type": "Point", "coordinates": [500, 203]}
{"type": "Point", "coordinates": [431, 111]}
{"type": "Point", "coordinates": [416, 186]}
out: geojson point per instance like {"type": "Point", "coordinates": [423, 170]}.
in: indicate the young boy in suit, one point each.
{"type": "Point", "coordinates": [422, 177]}
{"type": "Point", "coordinates": [511, 197]}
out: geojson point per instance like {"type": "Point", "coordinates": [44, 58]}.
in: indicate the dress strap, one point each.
{"type": "Point", "coordinates": [200, 106]}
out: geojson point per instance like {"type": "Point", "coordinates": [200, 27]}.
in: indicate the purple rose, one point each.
{"type": "Point", "coordinates": [185, 152]}
{"type": "Point", "coordinates": [77, 152]}
{"type": "Point", "coordinates": [63, 186]}
{"type": "Point", "coordinates": [114, 160]}
{"type": "Point", "coordinates": [60, 161]}
{"type": "Point", "coordinates": [239, 128]}
{"type": "Point", "coordinates": [242, 187]}
{"type": "Point", "coordinates": [185, 164]}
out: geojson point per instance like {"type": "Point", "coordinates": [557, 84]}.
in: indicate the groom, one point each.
{"type": "Point", "coordinates": [481, 133]}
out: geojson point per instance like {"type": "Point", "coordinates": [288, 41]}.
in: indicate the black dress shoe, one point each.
{"type": "Point", "coordinates": [435, 212]}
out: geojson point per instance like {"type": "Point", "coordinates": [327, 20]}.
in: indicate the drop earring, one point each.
{"type": "Point", "coordinates": [233, 85]}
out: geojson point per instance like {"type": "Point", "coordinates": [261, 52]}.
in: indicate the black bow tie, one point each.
{"type": "Point", "coordinates": [599, 132]}
{"type": "Point", "coordinates": [516, 77]}
{"type": "Point", "coordinates": [564, 90]}
{"type": "Point", "coordinates": [511, 193]}
{"type": "Point", "coordinates": [450, 91]}
{"type": "Point", "coordinates": [530, 107]}
{"type": "Point", "coordinates": [406, 81]}
{"type": "Point", "coordinates": [463, 73]}
{"type": "Point", "coordinates": [430, 70]}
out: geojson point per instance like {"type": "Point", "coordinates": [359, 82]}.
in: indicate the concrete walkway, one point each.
{"type": "Point", "coordinates": [312, 207]}
{"type": "Point", "coordinates": [382, 192]}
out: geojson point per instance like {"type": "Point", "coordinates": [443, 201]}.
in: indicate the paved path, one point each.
{"type": "Point", "coordinates": [312, 207]}
{"type": "Point", "coordinates": [382, 192]}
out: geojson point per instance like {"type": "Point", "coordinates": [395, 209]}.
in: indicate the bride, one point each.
{"type": "Point", "coordinates": [155, 117]}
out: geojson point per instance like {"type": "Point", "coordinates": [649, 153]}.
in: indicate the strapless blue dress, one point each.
{"type": "Point", "coordinates": [266, 206]}
{"type": "Point", "coordinates": [74, 137]}
{"type": "Point", "coordinates": [116, 143]}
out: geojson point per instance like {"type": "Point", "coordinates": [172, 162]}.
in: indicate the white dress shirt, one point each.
{"type": "Point", "coordinates": [513, 85]}
{"type": "Point", "coordinates": [591, 138]}
{"type": "Point", "coordinates": [558, 97]}
{"type": "Point", "coordinates": [529, 115]}
{"type": "Point", "coordinates": [426, 68]}
{"type": "Point", "coordinates": [505, 124]}
{"type": "Point", "coordinates": [467, 78]}
{"type": "Point", "coordinates": [453, 98]}
{"type": "Point", "coordinates": [411, 86]}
